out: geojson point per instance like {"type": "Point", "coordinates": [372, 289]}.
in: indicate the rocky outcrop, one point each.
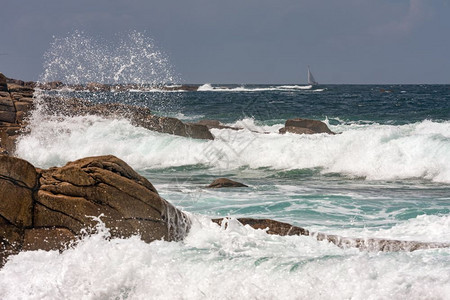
{"type": "Point", "coordinates": [366, 244]}
{"type": "Point", "coordinates": [225, 183]}
{"type": "Point", "coordinates": [139, 116]}
{"type": "Point", "coordinates": [16, 102]}
{"type": "Point", "coordinates": [45, 209]}
{"type": "Point", "coordinates": [305, 126]}
{"type": "Point", "coordinates": [3, 83]}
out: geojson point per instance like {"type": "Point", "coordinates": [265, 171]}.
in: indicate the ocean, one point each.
{"type": "Point", "coordinates": [385, 174]}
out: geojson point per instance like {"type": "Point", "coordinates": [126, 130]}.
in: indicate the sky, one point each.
{"type": "Point", "coordinates": [248, 41]}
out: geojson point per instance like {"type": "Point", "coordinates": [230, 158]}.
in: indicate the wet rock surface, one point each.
{"type": "Point", "coordinates": [305, 126]}
{"type": "Point", "coordinates": [225, 183]}
{"type": "Point", "coordinates": [16, 102]}
{"type": "Point", "coordinates": [46, 209]}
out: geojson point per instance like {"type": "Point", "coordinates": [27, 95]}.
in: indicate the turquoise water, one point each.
{"type": "Point", "coordinates": [386, 174]}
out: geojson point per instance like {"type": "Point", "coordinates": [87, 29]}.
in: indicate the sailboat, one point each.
{"type": "Point", "coordinates": [311, 80]}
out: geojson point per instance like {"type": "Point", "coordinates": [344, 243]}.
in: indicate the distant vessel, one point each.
{"type": "Point", "coordinates": [311, 80]}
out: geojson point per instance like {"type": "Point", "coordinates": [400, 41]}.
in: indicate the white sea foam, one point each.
{"type": "Point", "coordinates": [296, 87]}
{"type": "Point", "coordinates": [216, 263]}
{"type": "Point", "coordinates": [423, 228]}
{"type": "Point", "coordinates": [372, 151]}
{"type": "Point", "coordinates": [207, 87]}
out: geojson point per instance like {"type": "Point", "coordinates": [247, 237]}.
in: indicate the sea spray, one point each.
{"type": "Point", "coordinates": [132, 59]}
{"type": "Point", "coordinates": [128, 64]}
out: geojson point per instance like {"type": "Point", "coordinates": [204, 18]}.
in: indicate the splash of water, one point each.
{"type": "Point", "coordinates": [111, 70]}
{"type": "Point", "coordinates": [80, 59]}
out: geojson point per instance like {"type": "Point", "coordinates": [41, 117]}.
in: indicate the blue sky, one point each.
{"type": "Point", "coordinates": [249, 41]}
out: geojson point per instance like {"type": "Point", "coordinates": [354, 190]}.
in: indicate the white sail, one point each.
{"type": "Point", "coordinates": [311, 80]}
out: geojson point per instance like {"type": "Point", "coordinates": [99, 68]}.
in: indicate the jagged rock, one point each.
{"type": "Point", "coordinates": [225, 182]}
{"type": "Point", "coordinates": [367, 244]}
{"type": "Point", "coordinates": [15, 103]}
{"type": "Point", "coordinates": [3, 151]}
{"type": "Point", "coordinates": [7, 116]}
{"type": "Point", "coordinates": [98, 87]}
{"type": "Point", "coordinates": [45, 209]}
{"type": "Point", "coordinates": [3, 83]}
{"type": "Point", "coordinates": [175, 126]}
{"type": "Point", "coordinates": [12, 87]}
{"type": "Point", "coordinates": [305, 126]}
{"type": "Point", "coordinates": [9, 132]}
{"type": "Point", "coordinates": [52, 85]}
{"type": "Point", "coordinates": [18, 182]}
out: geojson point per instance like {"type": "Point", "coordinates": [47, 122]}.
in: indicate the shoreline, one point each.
{"type": "Point", "coordinates": [47, 197]}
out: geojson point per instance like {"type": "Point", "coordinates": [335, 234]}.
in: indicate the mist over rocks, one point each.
{"type": "Point", "coordinates": [46, 209]}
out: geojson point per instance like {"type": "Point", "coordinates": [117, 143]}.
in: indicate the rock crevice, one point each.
{"type": "Point", "coordinates": [45, 209]}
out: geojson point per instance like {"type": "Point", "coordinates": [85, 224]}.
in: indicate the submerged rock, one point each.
{"type": "Point", "coordinates": [225, 182]}
{"type": "Point", "coordinates": [45, 209]}
{"type": "Point", "coordinates": [305, 126]}
{"type": "Point", "coordinates": [367, 244]}
{"type": "Point", "coordinates": [216, 125]}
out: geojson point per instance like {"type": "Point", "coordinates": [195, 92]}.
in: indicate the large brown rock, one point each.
{"type": "Point", "coordinates": [305, 126]}
{"type": "Point", "coordinates": [46, 209]}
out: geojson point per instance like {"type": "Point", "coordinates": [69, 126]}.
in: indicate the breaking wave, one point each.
{"type": "Point", "coordinates": [214, 262]}
{"type": "Point", "coordinates": [371, 151]}
{"type": "Point", "coordinates": [207, 87]}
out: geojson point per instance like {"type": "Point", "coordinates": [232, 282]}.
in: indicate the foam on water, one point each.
{"type": "Point", "coordinates": [214, 262]}
{"type": "Point", "coordinates": [371, 151]}
{"type": "Point", "coordinates": [207, 87]}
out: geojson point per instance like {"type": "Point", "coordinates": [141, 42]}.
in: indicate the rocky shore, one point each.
{"type": "Point", "coordinates": [52, 208]}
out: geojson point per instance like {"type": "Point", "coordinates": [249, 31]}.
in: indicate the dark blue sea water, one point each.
{"type": "Point", "coordinates": [385, 104]}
